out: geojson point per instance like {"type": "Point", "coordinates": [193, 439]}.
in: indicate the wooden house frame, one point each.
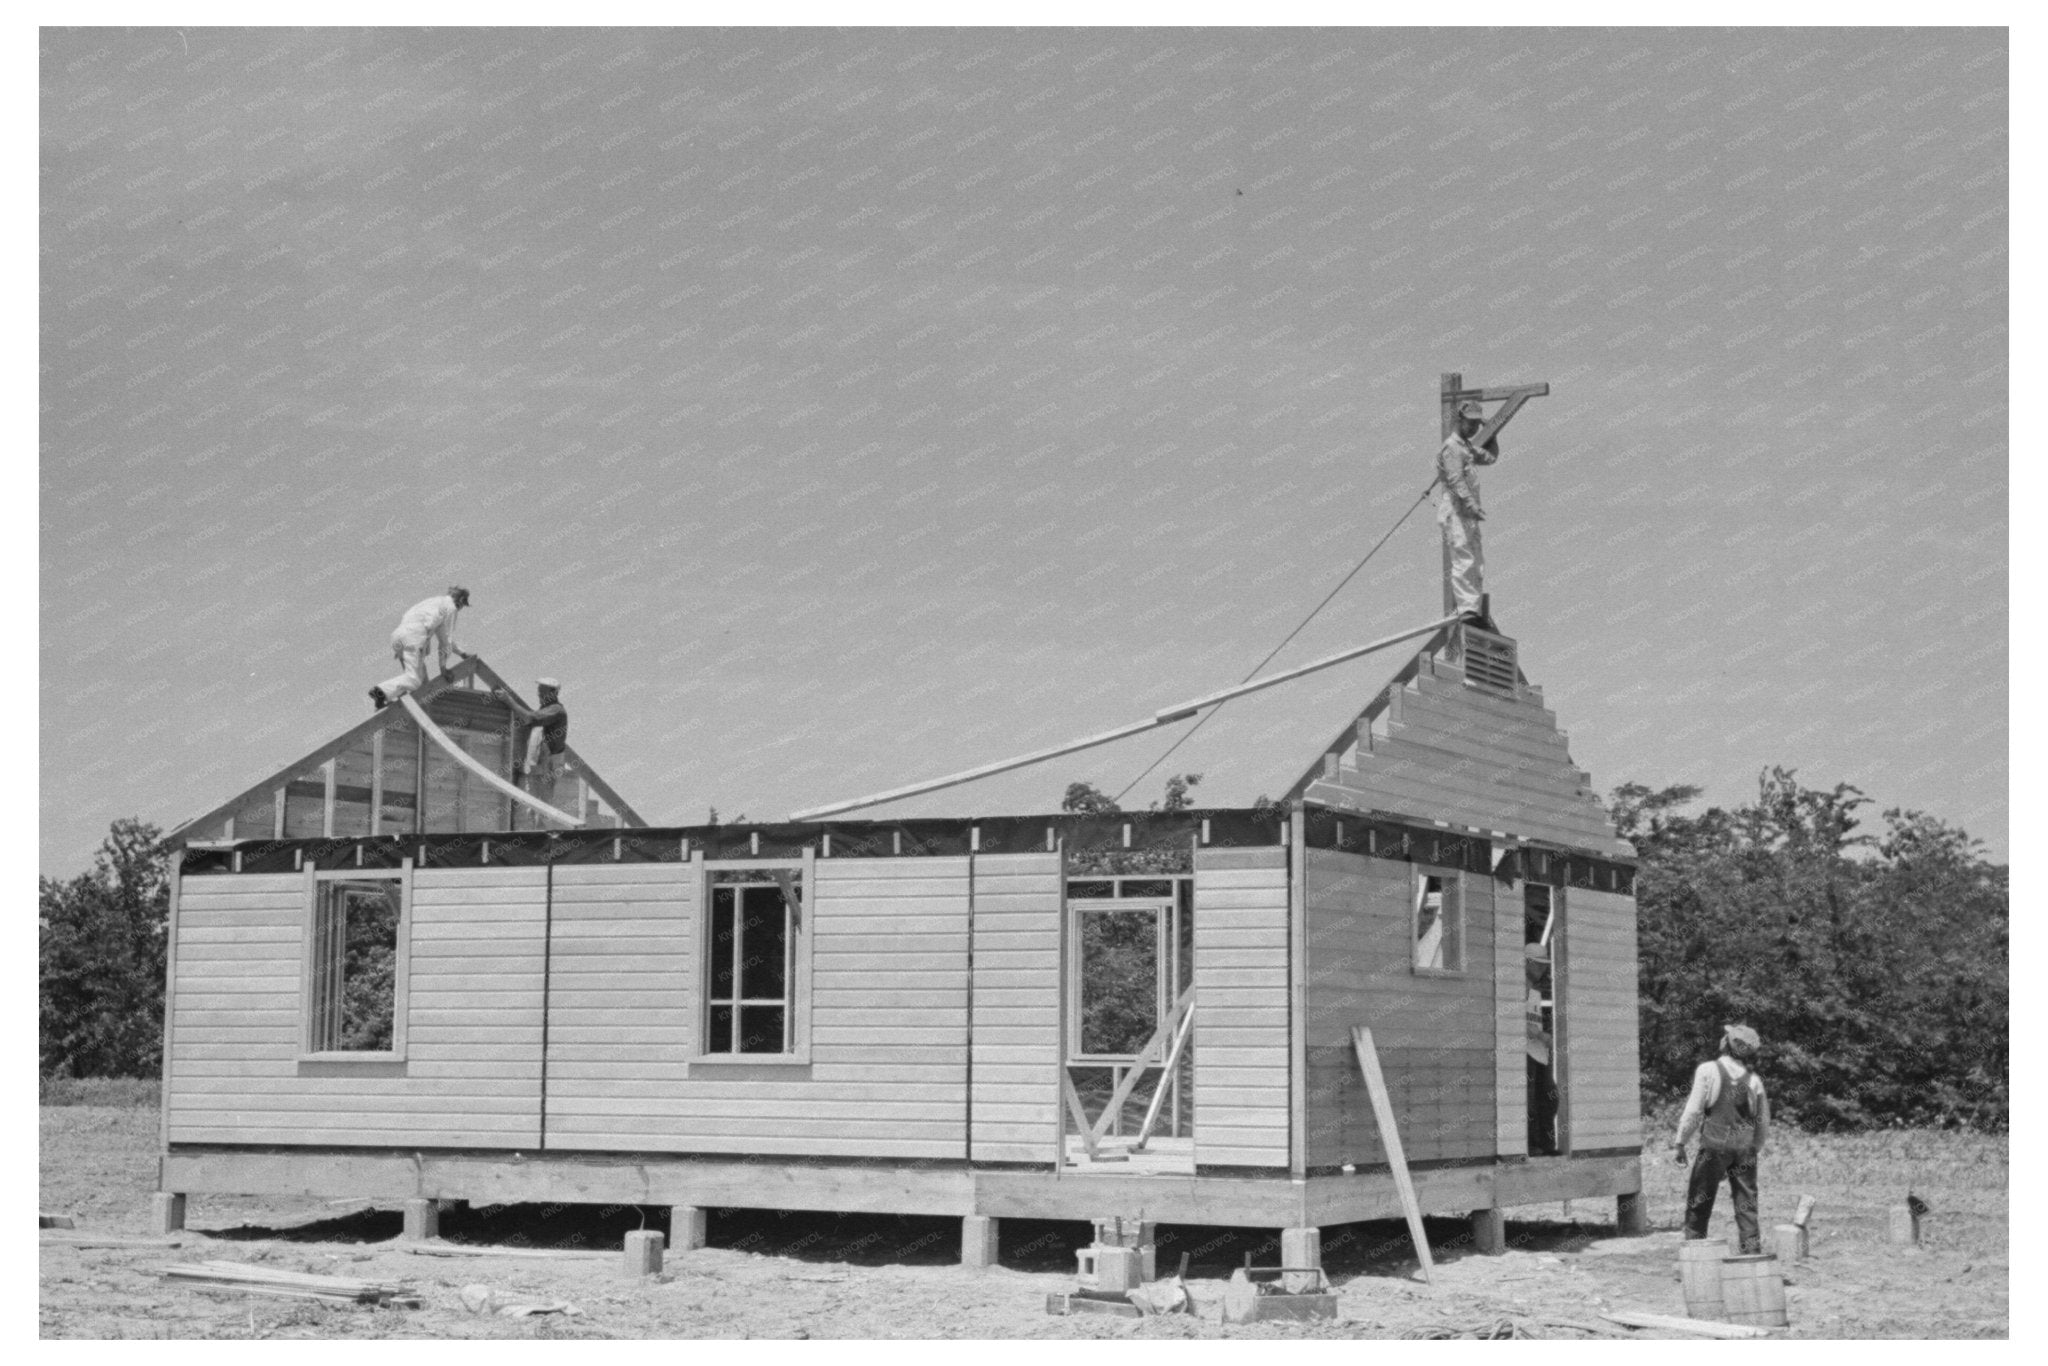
{"type": "Point", "coordinates": [1442, 873]}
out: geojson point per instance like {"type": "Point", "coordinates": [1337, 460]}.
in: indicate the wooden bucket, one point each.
{"type": "Point", "coordinates": [1753, 1291]}
{"type": "Point", "coordinates": [1699, 1271]}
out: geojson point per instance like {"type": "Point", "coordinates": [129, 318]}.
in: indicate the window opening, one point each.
{"type": "Point", "coordinates": [353, 1005]}
{"type": "Point", "coordinates": [751, 961]}
{"type": "Point", "coordinates": [1438, 923]}
{"type": "Point", "coordinates": [1539, 923]}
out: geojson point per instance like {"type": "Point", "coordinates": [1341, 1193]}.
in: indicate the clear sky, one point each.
{"type": "Point", "coordinates": [833, 409]}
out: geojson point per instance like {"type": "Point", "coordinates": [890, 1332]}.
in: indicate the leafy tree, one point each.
{"type": "Point", "coordinates": [1874, 966]}
{"type": "Point", "coordinates": [1088, 800]}
{"type": "Point", "coordinates": [1177, 791]}
{"type": "Point", "coordinates": [101, 942]}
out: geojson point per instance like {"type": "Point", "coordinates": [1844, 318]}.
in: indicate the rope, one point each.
{"type": "Point", "coordinates": [1188, 734]}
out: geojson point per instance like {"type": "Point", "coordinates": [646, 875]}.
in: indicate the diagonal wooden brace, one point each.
{"type": "Point", "coordinates": [1148, 1056]}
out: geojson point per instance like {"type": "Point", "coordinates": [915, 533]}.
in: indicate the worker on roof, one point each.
{"type": "Point", "coordinates": [1732, 1115]}
{"type": "Point", "coordinates": [542, 739]}
{"type": "Point", "coordinates": [1457, 507]}
{"type": "Point", "coordinates": [429, 623]}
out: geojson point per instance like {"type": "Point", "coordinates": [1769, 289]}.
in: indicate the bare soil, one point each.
{"type": "Point", "coordinates": [776, 1275]}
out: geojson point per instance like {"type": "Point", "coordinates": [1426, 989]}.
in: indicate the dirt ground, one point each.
{"type": "Point", "coordinates": [772, 1275]}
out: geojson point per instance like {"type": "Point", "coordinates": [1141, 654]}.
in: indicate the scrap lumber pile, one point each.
{"type": "Point", "coordinates": [292, 1285]}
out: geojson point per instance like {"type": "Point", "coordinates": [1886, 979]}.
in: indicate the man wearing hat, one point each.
{"type": "Point", "coordinates": [542, 739]}
{"type": "Point", "coordinates": [1731, 1113]}
{"type": "Point", "coordinates": [431, 622]}
{"type": "Point", "coordinates": [1457, 507]}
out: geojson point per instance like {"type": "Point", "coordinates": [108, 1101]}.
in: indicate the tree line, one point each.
{"type": "Point", "coordinates": [1874, 962]}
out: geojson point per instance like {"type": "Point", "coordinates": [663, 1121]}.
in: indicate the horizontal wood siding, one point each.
{"type": "Point", "coordinates": [1241, 1036]}
{"type": "Point", "coordinates": [1447, 751]}
{"type": "Point", "coordinates": [1016, 1006]}
{"type": "Point", "coordinates": [621, 1001]}
{"type": "Point", "coordinates": [886, 1076]}
{"type": "Point", "coordinates": [471, 1074]}
{"type": "Point", "coordinates": [1437, 1035]}
{"type": "Point", "coordinates": [1603, 1101]}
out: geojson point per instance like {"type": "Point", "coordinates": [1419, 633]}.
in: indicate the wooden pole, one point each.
{"type": "Point", "coordinates": [1390, 1139]}
{"type": "Point", "coordinates": [469, 763]}
{"type": "Point", "coordinates": [1164, 717]}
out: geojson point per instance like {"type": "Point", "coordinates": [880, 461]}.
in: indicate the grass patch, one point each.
{"type": "Point", "coordinates": [115, 1092]}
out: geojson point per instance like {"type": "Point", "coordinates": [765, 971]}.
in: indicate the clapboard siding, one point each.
{"type": "Point", "coordinates": [1436, 1034]}
{"type": "Point", "coordinates": [885, 1073]}
{"type": "Point", "coordinates": [1241, 1009]}
{"type": "Point", "coordinates": [1602, 1068]}
{"type": "Point", "coordinates": [1446, 751]}
{"type": "Point", "coordinates": [1016, 1007]}
{"type": "Point", "coordinates": [471, 1074]}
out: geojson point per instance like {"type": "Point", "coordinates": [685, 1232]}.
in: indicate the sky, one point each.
{"type": "Point", "coordinates": [831, 409]}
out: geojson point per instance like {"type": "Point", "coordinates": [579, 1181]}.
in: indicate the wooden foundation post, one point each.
{"type": "Point", "coordinates": [643, 1252]}
{"type": "Point", "coordinates": [166, 1212]}
{"type": "Point", "coordinates": [1490, 1232]}
{"type": "Point", "coordinates": [978, 1241]}
{"type": "Point", "coordinates": [1631, 1219]}
{"type": "Point", "coordinates": [686, 1227]}
{"type": "Point", "coordinates": [422, 1220]}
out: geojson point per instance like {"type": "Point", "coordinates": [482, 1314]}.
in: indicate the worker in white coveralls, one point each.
{"type": "Point", "coordinates": [543, 739]}
{"type": "Point", "coordinates": [1457, 507]}
{"type": "Point", "coordinates": [428, 624]}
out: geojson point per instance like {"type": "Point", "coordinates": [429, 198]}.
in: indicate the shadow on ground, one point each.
{"type": "Point", "coordinates": [1376, 1248]}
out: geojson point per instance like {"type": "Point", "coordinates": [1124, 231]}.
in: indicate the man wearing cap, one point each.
{"type": "Point", "coordinates": [428, 623]}
{"type": "Point", "coordinates": [1457, 506]}
{"type": "Point", "coordinates": [542, 739]}
{"type": "Point", "coordinates": [1732, 1115]}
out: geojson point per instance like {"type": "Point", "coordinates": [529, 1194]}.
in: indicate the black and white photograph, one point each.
{"type": "Point", "coordinates": [1153, 677]}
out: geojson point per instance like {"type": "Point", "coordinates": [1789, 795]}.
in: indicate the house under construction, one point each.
{"type": "Point", "coordinates": [1147, 1016]}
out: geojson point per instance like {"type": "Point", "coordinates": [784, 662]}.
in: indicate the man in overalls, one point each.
{"type": "Point", "coordinates": [1457, 508]}
{"type": "Point", "coordinates": [1732, 1115]}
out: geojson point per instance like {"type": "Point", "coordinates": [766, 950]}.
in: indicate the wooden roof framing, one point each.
{"type": "Point", "coordinates": [472, 667]}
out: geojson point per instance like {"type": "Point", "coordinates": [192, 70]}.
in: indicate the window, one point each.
{"type": "Point", "coordinates": [356, 965]}
{"type": "Point", "coordinates": [1439, 923]}
{"type": "Point", "coordinates": [754, 967]}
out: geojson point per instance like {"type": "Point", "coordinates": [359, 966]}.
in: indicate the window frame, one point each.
{"type": "Point", "coordinates": [1453, 888]}
{"type": "Point", "coordinates": [799, 984]}
{"type": "Point", "coordinates": [401, 969]}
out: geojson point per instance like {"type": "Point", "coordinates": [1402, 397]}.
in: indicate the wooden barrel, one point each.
{"type": "Point", "coordinates": [1699, 1271]}
{"type": "Point", "coordinates": [1753, 1292]}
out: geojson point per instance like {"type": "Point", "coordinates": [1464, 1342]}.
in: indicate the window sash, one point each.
{"type": "Point", "coordinates": [728, 1006]}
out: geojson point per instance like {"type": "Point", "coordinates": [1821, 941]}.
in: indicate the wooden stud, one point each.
{"type": "Point", "coordinates": [277, 815]}
{"type": "Point", "coordinates": [327, 772]}
{"type": "Point", "coordinates": [1297, 993]}
{"type": "Point", "coordinates": [175, 873]}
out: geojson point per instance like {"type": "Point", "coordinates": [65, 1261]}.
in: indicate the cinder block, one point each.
{"type": "Point", "coordinates": [1631, 1217]}
{"type": "Point", "coordinates": [643, 1252]}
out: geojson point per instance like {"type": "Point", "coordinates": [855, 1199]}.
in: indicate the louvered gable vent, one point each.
{"type": "Point", "coordinates": [1489, 662]}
